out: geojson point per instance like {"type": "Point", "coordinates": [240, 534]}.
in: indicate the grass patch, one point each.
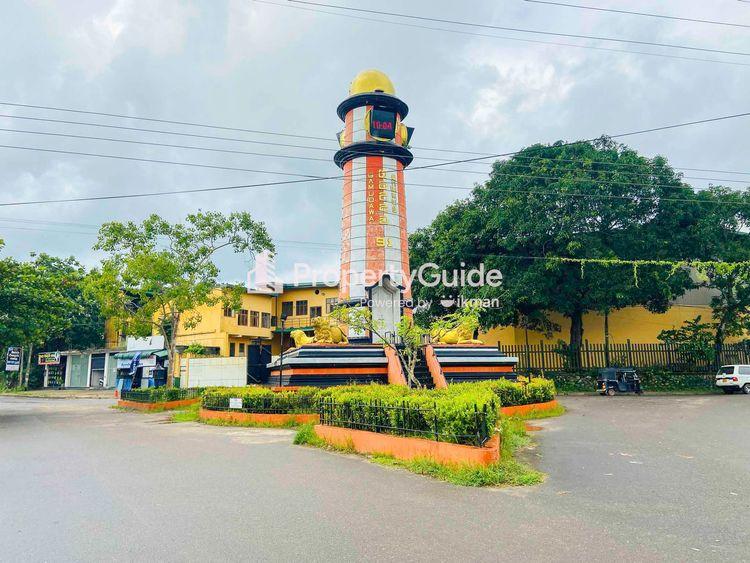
{"type": "Point", "coordinates": [189, 414]}
{"type": "Point", "coordinates": [559, 410]}
{"type": "Point", "coordinates": [140, 411]}
{"type": "Point", "coordinates": [507, 471]}
{"type": "Point", "coordinates": [249, 424]}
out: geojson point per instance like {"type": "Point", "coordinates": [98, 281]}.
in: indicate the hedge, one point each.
{"type": "Point", "coordinates": [457, 414]}
{"type": "Point", "coordinates": [262, 399]}
{"type": "Point", "coordinates": [512, 393]}
{"type": "Point", "coordinates": [652, 379]}
{"type": "Point", "coordinates": [161, 394]}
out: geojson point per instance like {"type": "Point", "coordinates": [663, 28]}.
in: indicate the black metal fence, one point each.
{"type": "Point", "coordinates": [160, 395]}
{"type": "Point", "coordinates": [676, 358]}
{"type": "Point", "coordinates": [406, 420]}
{"type": "Point", "coordinates": [279, 404]}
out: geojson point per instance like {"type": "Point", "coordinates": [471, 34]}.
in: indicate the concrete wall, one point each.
{"type": "Point", "coordinates": [220, 372]}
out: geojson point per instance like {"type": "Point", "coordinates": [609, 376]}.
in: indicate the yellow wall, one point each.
{"type": "Point", "coordinates": [214, 329]}
{"type": "Point", "coordinates": [636, 324]}
{"type": "Point", "coordinates": [313, 300]}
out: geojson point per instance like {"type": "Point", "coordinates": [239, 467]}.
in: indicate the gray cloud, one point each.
{"type": "Point", "coordinates": [245, 64]}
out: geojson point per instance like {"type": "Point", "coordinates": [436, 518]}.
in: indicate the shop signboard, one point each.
{"type": "Point", "coordinates": [155, 342]}
{"type": "Point", "coordinates": [13, 358]}
{"type": "Point", "coordinates": [49, 359]}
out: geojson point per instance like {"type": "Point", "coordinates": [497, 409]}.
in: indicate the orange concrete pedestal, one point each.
{"type": "Point", "coordinates": [407, 448]}
{"type": "Point", "coordinates": [527, 409]}
{"type": "Point", "coordinates": [240, 417]}
{"type": "Point", "coordinates": [163, 406]}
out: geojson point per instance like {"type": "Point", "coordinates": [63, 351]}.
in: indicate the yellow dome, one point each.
{"type": "Point", "coordinates": [371, 81]}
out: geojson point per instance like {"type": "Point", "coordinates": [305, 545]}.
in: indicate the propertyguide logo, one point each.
{"type": "Point", "coordinates": [428, 275]}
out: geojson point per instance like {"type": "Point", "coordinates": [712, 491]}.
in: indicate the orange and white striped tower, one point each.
{"type": "Point", "coordinates": [373, 156]}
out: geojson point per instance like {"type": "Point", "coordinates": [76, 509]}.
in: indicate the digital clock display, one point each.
{"type": "Point", "coordinates": [383, 124]}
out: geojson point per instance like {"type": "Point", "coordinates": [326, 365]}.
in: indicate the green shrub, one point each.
{"type": "Point", "coordinates": [161, 394]}
{"type": "Point", "coordinates": [460, 414]}
{"type": "Point", "coordinates": [262, 399]}
{"type": "Point", "coordinates": [513, 393]}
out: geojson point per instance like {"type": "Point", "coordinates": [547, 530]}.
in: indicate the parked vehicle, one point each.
{"type": "Point", "coordinates": [611, 381]}
{"type": "Point", "coordinates": [731, 379]}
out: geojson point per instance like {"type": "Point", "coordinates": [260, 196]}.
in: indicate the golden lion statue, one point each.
{"type": "Point", "coordinates": [325, 333]}
{"type": "Point", "coordinates": [300, 338]}
{"type": "Point", "coordinates": [461, 334]}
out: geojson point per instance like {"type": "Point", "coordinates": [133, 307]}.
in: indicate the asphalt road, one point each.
{"type": "Point", "coordinates": [651, 478]}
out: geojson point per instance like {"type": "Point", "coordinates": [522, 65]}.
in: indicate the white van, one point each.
{"type": "Point", "coordinates": [734, 378]}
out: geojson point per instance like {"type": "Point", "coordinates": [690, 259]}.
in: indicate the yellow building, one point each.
{"type": "Point", "coordinates": [227, 332]}
{"type": "Point", "coordinates": [257, 322]}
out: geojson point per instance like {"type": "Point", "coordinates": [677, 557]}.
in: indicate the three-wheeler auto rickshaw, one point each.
{"type": "Point", "coordinates": [611, 381]}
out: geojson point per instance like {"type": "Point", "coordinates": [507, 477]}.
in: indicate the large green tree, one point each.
{"type": "Point", "coordinates": [720, 230]}
{"type": "Point", "coordinates": [157, 274]}
{"type": "Point", "coordinates": [600, 201]}
{"type": "Point", "coordinates": [42, 305]}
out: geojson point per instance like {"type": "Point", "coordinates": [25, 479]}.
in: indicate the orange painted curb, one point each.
{"type": "Point", "coordinates": [407, 448]}
{"type": "Point", "coordinates": [526, 409]}
{"type": "Point", "coordinates": [438, 379]}
{"type": "Point", "coordinates": [257, 418]}
{"type": "Point", "coordinates": [395, 370]}
{"type": "Point", "coordinates": [163, 406]}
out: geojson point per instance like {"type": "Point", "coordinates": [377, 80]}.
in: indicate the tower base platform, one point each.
{"type": "Point", "coordinates": [323, 365]}
{"type": "Point", "coordinates": [474, 362]}
{"type": "Point", "coordinates": [326, 365]}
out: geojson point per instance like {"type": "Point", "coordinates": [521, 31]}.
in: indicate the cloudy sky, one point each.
{"type": "Point", "coordinates": [283, 68]}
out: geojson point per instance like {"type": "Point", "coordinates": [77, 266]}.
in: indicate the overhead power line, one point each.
{"type": "Point", "coordinates": [632, 13]}
{"type": "Point", "coordinates": [523, 30]}
{"type": "Point", "coordinates": [327, 160]}
{"type": "Point", "coordinates": [617, 136]}
{"type": "Point", "coordinates": [292, 174]}
{"type": "Point", "coordinates": [505, 37]}
{"type": "Point", "coordinates": [169, 121]}
{"type": "Point", "coordinates": [156, 161]}
{"type": "Point", "coordinates": [163, 132]}
{"type": "Point", "coordinates": [329, 139]}
{"type": "Point", "coordinates": [305, 180]}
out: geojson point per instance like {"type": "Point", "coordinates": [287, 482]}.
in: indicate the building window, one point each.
{"type": "Point", "coordinates": [231, 349]}
{"type": "Point", "coordinates": [274, 321]}
{"type": "Point", "coordinates": [228, 312]}
{"type": "Point", "coordinates": [301, 308]}
{"type": "Point", "coordinates": [287, 308]}
{"type": "Point", "coordinates": [265, 320]}
{"type": "Point", "coordinates": [242, 317]}
{"type": "Point", "coordinates": [254, 317]}
{"type": "Point", "coordinates": [331, 303]}
{"type": "Point", "coordinates": [242, 348]}
{"type": "Point", "coordinates": [316, 312]}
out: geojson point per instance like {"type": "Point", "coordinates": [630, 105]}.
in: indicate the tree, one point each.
{"type": "Point", "coordinates": [409, 333]}
{"type": "Point", "coordinates": [720, 234]}
{"type": "Point", "coordinates": [156, 275]}
{"type": "Point", "coordinates": [85, 322]}
{"type": "Point", "coordinates": [547, 204]}
{"type": "Point", "coordinates": [694, 339]}
{"type": "Point", "coordinates": [36, 303]}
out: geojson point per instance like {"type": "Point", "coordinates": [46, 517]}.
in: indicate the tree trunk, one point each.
{"type": "Point", "coordinates": [25, 380]}
{"type": "Point", "coordinates": [172, 348]}
{"type": "Point", "coordinates": [576, 338]}
{"type": "Point", "coordinates": [718, 344]}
